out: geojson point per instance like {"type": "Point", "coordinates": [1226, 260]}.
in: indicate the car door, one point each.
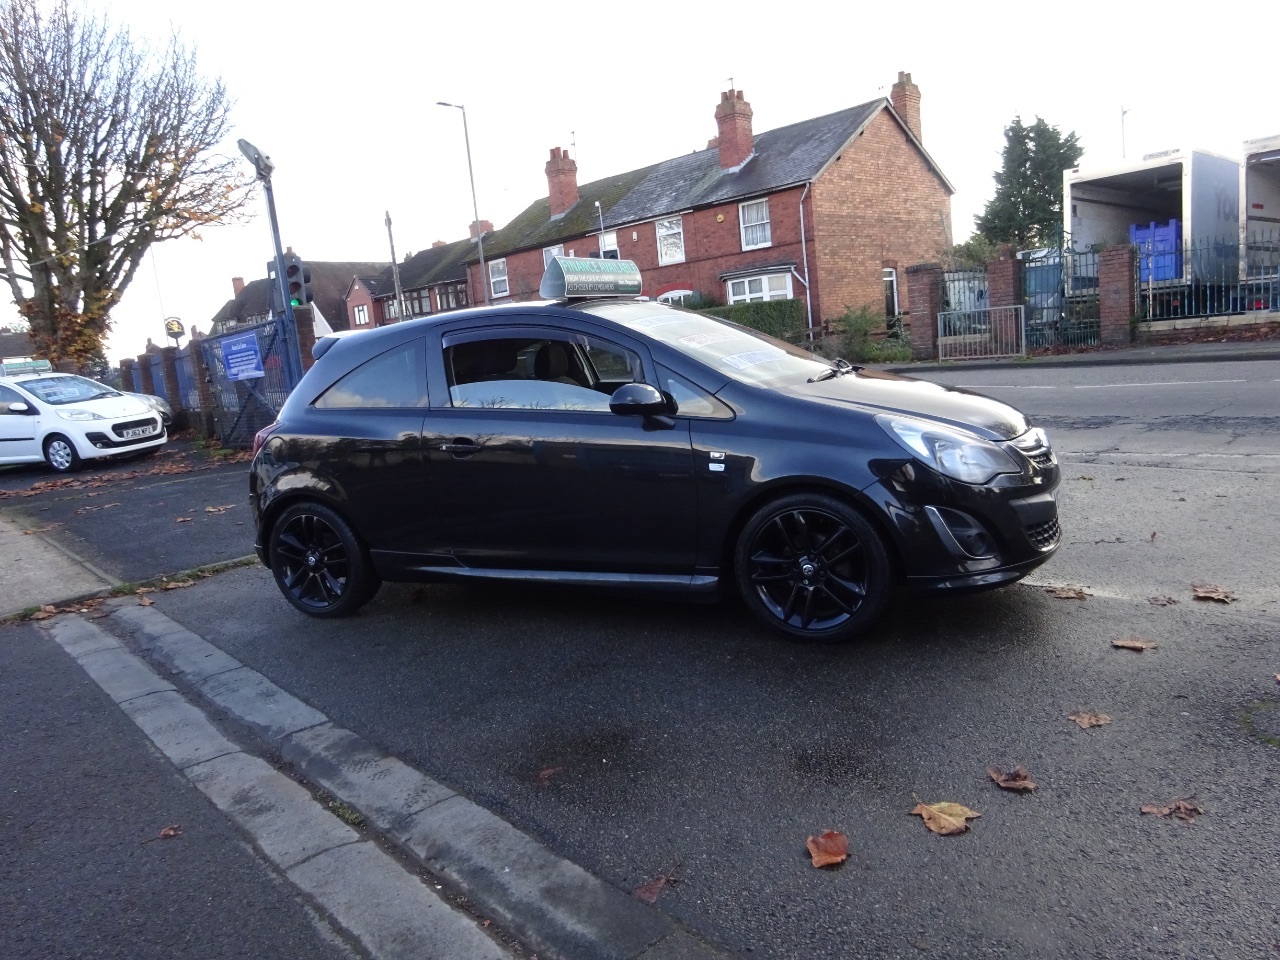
{"type": "Point", "coordinates": [18, 440]}
{"type": "Point", "coordinates": [531, 470]}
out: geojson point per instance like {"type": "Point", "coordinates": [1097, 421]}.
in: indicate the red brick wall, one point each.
{"type": "Point", "coordinates": [1004, 278]}
{"type": "Point", "coordinates": [1116, 298]}
{"type": "Point", "coordinates": [359, 296]}
{"type": "Point", "coordinates": [880, 201]}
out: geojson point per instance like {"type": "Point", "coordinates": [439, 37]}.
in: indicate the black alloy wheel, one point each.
{"type": "Point", "coordinates": [813, 567]}
{"type": "Point", "coordinates": [319, 564]}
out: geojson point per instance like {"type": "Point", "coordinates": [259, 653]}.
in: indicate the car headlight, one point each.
{"type": "Point", "coordinates": [952, 452]}
{"type": "Point", "coordinates": [158, 404]}
{"type": "Point", "coordinates": [80, 415]}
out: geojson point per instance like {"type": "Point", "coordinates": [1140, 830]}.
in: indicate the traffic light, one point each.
{"type": "Point", "coordinates": [297, 280]}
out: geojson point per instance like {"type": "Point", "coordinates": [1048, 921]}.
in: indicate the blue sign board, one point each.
{"type": "Point", "coordinates": [241, 356]}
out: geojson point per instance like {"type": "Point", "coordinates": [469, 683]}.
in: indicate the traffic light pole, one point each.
{"type": "Point", "coordinates": [291, 351]}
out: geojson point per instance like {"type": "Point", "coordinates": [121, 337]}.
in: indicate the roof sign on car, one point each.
{"type": "Point", "coordinates": [12, 366]}
{"type": "Point", "coordinates": [568, 277]}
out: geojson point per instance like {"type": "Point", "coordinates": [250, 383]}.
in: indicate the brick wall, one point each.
{"type": "Point", "coordinates": [1116, 296]}
{"type": "Point", "coordinates": [359, 296]}
{"type": "Point", "coordinates": [1004, 278]}
{"type": "Point", "coordinates": [926, 283]}
{"type": "Point", "coordinates": [879, 201]}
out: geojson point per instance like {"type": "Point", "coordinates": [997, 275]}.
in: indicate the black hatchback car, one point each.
{"type": "Point", "coordinates": [625, 443]}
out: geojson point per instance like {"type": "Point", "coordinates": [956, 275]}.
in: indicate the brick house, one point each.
{"type": "Point", "coordinates": [432, 281]}
{"type": "Point", "coordinates": [330, 283]}
{"type": "Point", "coordinates": [825, 210]}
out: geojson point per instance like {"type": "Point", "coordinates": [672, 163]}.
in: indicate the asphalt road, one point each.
{"type": "Point", "coordinates": [636, 737]}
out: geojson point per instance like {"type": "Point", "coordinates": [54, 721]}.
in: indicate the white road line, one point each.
{"type": "Point", "coordinates": [1168, 383]}
{"type": "Point", "coordinates": [1005, 386]}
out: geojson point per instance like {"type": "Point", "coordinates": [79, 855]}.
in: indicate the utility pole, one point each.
{"type": "Point", "coordinates": [395, 270]}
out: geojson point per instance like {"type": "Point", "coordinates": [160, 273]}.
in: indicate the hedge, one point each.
{"type": "Point", "coordinates": [784, 319]}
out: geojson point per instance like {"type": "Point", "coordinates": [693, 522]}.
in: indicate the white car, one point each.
{"type": "Point", "coordinates": [64, 419]}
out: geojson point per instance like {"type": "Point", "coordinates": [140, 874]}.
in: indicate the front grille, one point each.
{"type": "Point", "coordinates": [1042, 459]}
{"type": "Point", "coordinates": [1044, 535]}
{"type": "Point", "coordinates": [119, 428]}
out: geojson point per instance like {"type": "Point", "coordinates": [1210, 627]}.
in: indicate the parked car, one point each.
{"type": "Point", "coordinates": [630, 444]}
{"type": "Point", "coordinates": [65, 419]}
{"type": "Point", "coordinates": [159, 404]}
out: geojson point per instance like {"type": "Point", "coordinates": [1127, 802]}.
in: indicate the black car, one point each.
{"type": "Point", "coordinates": [621, 442]}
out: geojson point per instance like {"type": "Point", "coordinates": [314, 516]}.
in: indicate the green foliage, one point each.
{"type": "Point", "coordinates": [1027, 208]}
{"type": "Point", "coordinates": [857, 340]}
{"type": "Point", "coordinates": [974, 254]}
{"type": "Point", "coordinates": [784, 319]}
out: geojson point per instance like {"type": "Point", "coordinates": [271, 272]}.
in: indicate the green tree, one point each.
{"type": "Point", "coordinates": [1027, 208]}
{"type": "Point", "coordinates": [106, 147]}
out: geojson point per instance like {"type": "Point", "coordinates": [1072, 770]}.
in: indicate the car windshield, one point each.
{"type": "Point", "coordinates": [736, 351]}
{"type": "Point", "coordinates": [66, 389]}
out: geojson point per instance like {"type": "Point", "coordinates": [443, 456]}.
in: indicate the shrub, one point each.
{"type": "Point", "coordinates": [863, 336]}
{"type": "Point", "coordinates": [784, 319]}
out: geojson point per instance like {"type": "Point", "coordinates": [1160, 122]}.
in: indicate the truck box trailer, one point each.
{"type": "Point", "coordinates": [1191, 195]}
{"type": "Point", "coordinates": [1260, 208]}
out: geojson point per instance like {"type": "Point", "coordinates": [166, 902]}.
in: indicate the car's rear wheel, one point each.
{"type": "Point", "coordinates": [319, 563]}
{"type": "Point", "coordinates": [812, 567]}
{"type": "Point", "coordinates": [60, 454]}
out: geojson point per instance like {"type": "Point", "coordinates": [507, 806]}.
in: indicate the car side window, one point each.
{"type": "Point", "coordinates": [691, 400]}
{"type": "Point", "coordinates": [395, 379]}
{"type": "Point", "coordinates": [8, 396]}
{"type": "Point", "coordinates": [572, 372]}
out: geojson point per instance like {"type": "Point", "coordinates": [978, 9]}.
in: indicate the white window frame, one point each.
{"type": "Point", "coordinates": [891, 274]}
{"type": "Point", "coordinates": [609, 243]}
{"type": "Point", "coordinates": [743, 226]}
{"type": "Point", "coordinates": [675, 297]}
{"type": "Point", "coordinates": [677, 231]}
{"type": "Point", "coordinates": [555, 250]}
{"type": "Point", "coordinates": [498, 276]}
{"type": "Point", "coordinates": [361, 315]}
{"type": "Point", "coordinates": [747, 296]}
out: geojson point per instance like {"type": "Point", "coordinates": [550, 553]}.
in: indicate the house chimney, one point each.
{"type": "Point", "coordinates": [562, 181]}
{"type": "Point", "coordinates": [480, 226]}
{"type": "Point", "coordinates": [237, 284]}
{"type": "Point", "coordinates": [733, 117]}
{"type": "Point", "coordinates": [438, 243]}
{"type": "Point", "coordinates": [905, 98]}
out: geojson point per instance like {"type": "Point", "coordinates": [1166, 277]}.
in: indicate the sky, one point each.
{"type": "Point", "coordinates": [622, 86]}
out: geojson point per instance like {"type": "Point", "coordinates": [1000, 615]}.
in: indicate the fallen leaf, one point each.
{"type": "Point", "coordinates": [648, 892]}
{"type": "Point", "coordinates": [146, 602]}
{"type": "Point", "coordinates": [1134, 643]}
{"type": "Point", "coordinates": [1017, 779]}
{"type": "Point", "coordinates": [545, 775]}
{"type": "Point", "coordinates": [828, 848]}
{"type": "Point", "coordinates": [203, 573]}
{"type": "Point", "coordinates": [166, 833]}
{"type": "Point", "coordinates": [178, 584]}
{"type": "Point", "coordinates": [1153, 536]}
{"type": "Point", "coordinates": [1067, 593]}
{"type": "Point", "coordinates": [1183, 809]}
{"type": "Point", "coordinates": [945, 819]}
{"type": "Point", "coordinates": [1278, 678]}
{"type": "Point", "coordinates": [1211, 591]}
{"type": "Point", "coordinates": [1161, 601]}
{"type": "Point", "coordinates": [145, 590]}
{"type": "Point", "coordinates": [219, 509]}
{"type": "Point", "coordinates": [1084, 720]}
{"type": "Point", "coordinates": [1085, 477]}
{"type": "Point", "coordinates": [40, 615]}
{"type": "Point", "coordinates": [183, 520]}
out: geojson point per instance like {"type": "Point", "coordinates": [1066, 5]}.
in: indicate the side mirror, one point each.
{"type": "Point", "coordinates": [19, 407]}
{"type": "Point", "coordinates": [639, 399]}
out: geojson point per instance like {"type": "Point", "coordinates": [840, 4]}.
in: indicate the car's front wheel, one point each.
{"type": "Point", "coordinates": [60, 454]}
{"type": "Point", "coordinates": [812, 567]}
{"type": "Point", "coordinates": [319, 563]}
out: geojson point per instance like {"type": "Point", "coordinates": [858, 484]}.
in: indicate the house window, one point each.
{"type": "Point", "coordinates": [452, 296]}
{"type": "Point", "coordinates": [391, 309]}
{"type": "Point", "coordinates": [553, 251]}
{"type": "Point", "coordinates": [362, 315]}
{"type": "Point", "coordinates": [498, 278]}
{"type": "Point", "coordinates": [776, 286]}
{"type": "Point", "coordinates": [754, 217]}
{"type": "Point", "coordinates": [677, 298]}
{"type": "Point", "coordinates": [890, 292]}
{"type": "Point", "coordinates": [670, 240]}
{"type": "Point", "coordinates": [609, 245]}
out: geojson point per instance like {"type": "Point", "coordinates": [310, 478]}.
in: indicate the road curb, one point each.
{"type": "Point", "coordinates": [1118, 358]}
{"type": "Point", "coordinates": [553, 905]}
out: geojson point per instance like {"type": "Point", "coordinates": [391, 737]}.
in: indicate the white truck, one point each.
{"type": "Point", "coordinates": [1260, 208]}
{"type": "Point", "coordinates": [1181, 207]}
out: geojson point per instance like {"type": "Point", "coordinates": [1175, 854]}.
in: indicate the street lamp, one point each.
{"type": "Point", "coordinates": [475, 207]}
{"type": "Point", "coordinates": [264, 167]}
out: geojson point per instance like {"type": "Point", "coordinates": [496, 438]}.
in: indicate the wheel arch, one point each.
{"type": "Point", "coordinates": [790, 487]}
{"type": "Point", "coordinates": [284, 500]}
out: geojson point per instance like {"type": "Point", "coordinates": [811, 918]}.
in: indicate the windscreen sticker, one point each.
{"type": "Point", "coordinates": [741, 361]}
{"type": "Point", "coordinates": [706, 339]}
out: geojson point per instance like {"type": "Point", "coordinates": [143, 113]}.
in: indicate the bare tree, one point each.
{"type": "Point", "coordinates": [106, 147]}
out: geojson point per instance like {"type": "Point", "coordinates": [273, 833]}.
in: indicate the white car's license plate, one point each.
{"type": "Point", "coordinates": [134, 432]}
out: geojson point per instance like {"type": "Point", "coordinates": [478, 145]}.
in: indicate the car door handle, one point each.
{"type": "Point", "coordinates": [460, 447]}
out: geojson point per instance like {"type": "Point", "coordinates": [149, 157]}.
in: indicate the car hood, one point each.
{"type": "Point", "coordinates": [878, 392]}
{"type": "Point", "coordinates": [113, 408]}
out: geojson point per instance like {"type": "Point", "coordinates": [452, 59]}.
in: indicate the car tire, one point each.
{"type": "Point", "coordinates": [812, 567]}
{"type": "Point", "coordinates": [319, 563]}
{"type": "Point", "coordinates": [60, 453]}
